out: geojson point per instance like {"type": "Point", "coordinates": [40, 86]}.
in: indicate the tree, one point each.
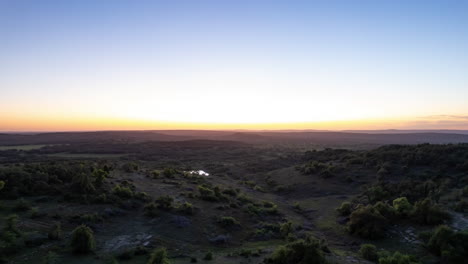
{"type": "Point", "coordinates": [402, 206]}
{"type": "Point", "coordinates": [344, 209]}
{"type": "Point", "coordinates": [298, 252]}
{"type": "Point", "coordinates": [82, 240]}
{"type": "Point", "coordinates": [55, 232]}
{"type": "Point", "coordinates": [159, 256]}
{"type": "Point", "coordinates": [425, 212]}
{"type": "Point", "coordinates": [398, 258]}
{"type": "Point", "coordinates": [83, 183]}
{"type": "Point", "coordinates": [368, 252]}
{"type": "Point", "coordinates": [367, 222]}
{"type": "Point", "coordinates": [99, 176]}
{"type": "Point", "coordinates": [452, 246]}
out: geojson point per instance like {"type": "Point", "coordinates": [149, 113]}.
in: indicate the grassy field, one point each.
{"type": "Point", "coordinates": [86, 155]}
{"type": "Point", "coordinates": [22, 147]}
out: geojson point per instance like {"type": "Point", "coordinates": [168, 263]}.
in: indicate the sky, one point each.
{"type": "Point", "coordinates": [233, 64]}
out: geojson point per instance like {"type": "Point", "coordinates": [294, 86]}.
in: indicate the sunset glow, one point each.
{"type": "Point", "coordinates": [109, 65]}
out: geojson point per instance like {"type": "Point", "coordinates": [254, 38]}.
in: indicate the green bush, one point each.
{"type": "Point", "coordinates": [83, 183]}
{"type": "Point", "coordinates": [228, 221]}
{"type": "Point", "coordinates": [367, 222]}
{"type": "Point", "coordinates": [158, 256]}
{"type": "Point", "coordinates": [402, 206]}
{"type": "Point", "coordinates": [82, 240]}
{"type": "Point", "coordinates": [130, 167]}
{"type": "Point", "coordinates": [164, 202]}
{"type": "Point", "coordinates": [169, 172]}
{"type": "Point", "coordinates": [12, 225]}
{"type": "Point", "coordinates": [368, 252]}
{"type": "Point", "coordinates": [122, 191]}
{"type": "Point", "coordinates": [207, 194]}
{"type": "Point", "coordinates": [51, 258]}
{"type": "Point", "coordinates": [99, 176]}
{"type": "Point", "coordinates": [344, 209]}
{"type": "Point", "coordinates": [464, 191]}
{"type": "Point", "coordinates": [450, 245]}
{"type": "Point", "coordinates": [151, 209]}
{"type": "Point", "coordinates": [385, 210]}
{"type": "Point", "coordinates": [186, 208]}
{"type": "Point", "coordinates": [208, 256]}
{"type": "Point", "coordinates": [55, 233]}
{"type": "Point", "coordinates": [376, 193]}
{"type": "Point", "coordinates": [298, 252]}
{"type": "Point", "coordinates": [398, 258]}
{"type": "Point", "coordinates": [425, 212]}
{"type": "Point", "coordinates": [22, 205]}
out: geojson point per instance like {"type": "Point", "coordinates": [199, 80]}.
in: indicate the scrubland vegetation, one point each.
{"type": "Point", "coordinates": [269, 204]}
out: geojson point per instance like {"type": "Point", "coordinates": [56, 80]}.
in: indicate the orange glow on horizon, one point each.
{"type": "Point", "coordinates": [36, 124]}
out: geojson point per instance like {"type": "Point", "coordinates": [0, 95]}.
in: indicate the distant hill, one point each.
{"type": "Point", "coordinates": [272, 137]}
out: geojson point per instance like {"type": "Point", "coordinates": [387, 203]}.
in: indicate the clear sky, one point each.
{"type": "Point", "coordinates": [110, 64]}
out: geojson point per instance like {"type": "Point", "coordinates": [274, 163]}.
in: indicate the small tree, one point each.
{"type": "Point", "coordinates": [367, 222]}
{"type": "Point", "coordinates": [208, 256]}
{"type": "Point", "coordinates": [368, 252]}
{"type": "Point", "coordinates": [82, 240]}
{"type": "Point", "coordinates": [55, 232]}
{"type": "Point", "coordinates": [402, 206]}
{"type": "Point", "coordinates": [300, 251]}
{"type": "Point", "coordinates": [83, 183]}
{"type": "Point", "coordinates": [159, 256]}
{"type": "Point", "coordinates": [425, 212]}
{"type": "Point", "coordinates": [398, 258]}
{"type": "Point", "coordinates": [344, 209]}
{"type": "Point", "coordinates": [99, 176]}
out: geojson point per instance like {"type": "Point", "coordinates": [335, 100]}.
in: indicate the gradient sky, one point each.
{"type": "Point", "coordinates": [109, 64]}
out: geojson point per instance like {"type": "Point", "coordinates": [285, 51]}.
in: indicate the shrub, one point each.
{"type": "Point", "coordinates": [230, 191]}
{"type": "Point", "coordinates": [286, 229]}
{"type": "Point", "coordinates": [207, 194]}
{"type": "Point", "coordinates": [368, 252]}
{"type": "Point", "coordinates": [385, 210]}
{"type": "Point", "coordinates": [51, 258]}
{"type": "Point", "coordinates": [130, 167]}
{"type": "Point", "coordinates": [208, 256]}
{"type": "Point", "coordinates": [425, 212]}
{"type": "Point", "coordinates": [83, 184]}
{"type": "Point", "coordinates": [344, 209]}
{"type": "Point", "coordinates": [158, 256]}
{"type": "Point", "coordinates": [55, 233]}
{"type": "Point", "coordinates": [464, 191]}
{"type": "Point", "coordinates": [228, 221]}
{"type": "Point", "coordinates": [150, 209]}
{"type": "Point", "coordinates": [450, 245]}
{"type": "Point", "coordinates": [186, 208]}
{"type": "Point", "coordinates": [12, 225]}
{"type": "Point", "coordinates": [461, 206]}
{"type": "Point", "coordinates": [300, 251]}
{"type": "Point", "coordinates": [82, 240]}
{"type": "Point", "coordinates": [402, 206]}
{"type": "Point", "coordinates": [164, 202]}
{"type": "Point", "coordinates": [22, 205]}
{"type": "Point", "coordinates": [142, 196]}
{"type": "Point", "coordinates": [376, 193]}
{"type": "Point", "coordinates": [367, 222]}
{"type": "Point", "coordinates": [169, 172]}
{"type": "Point", "coordinates": [11, 243]}
{"type": "Point", "coordinates": [99, 176]}
{"type": "Point", "coordinates": [122, 192]}
{"type": "Point", "coordinates": [398, 258]}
